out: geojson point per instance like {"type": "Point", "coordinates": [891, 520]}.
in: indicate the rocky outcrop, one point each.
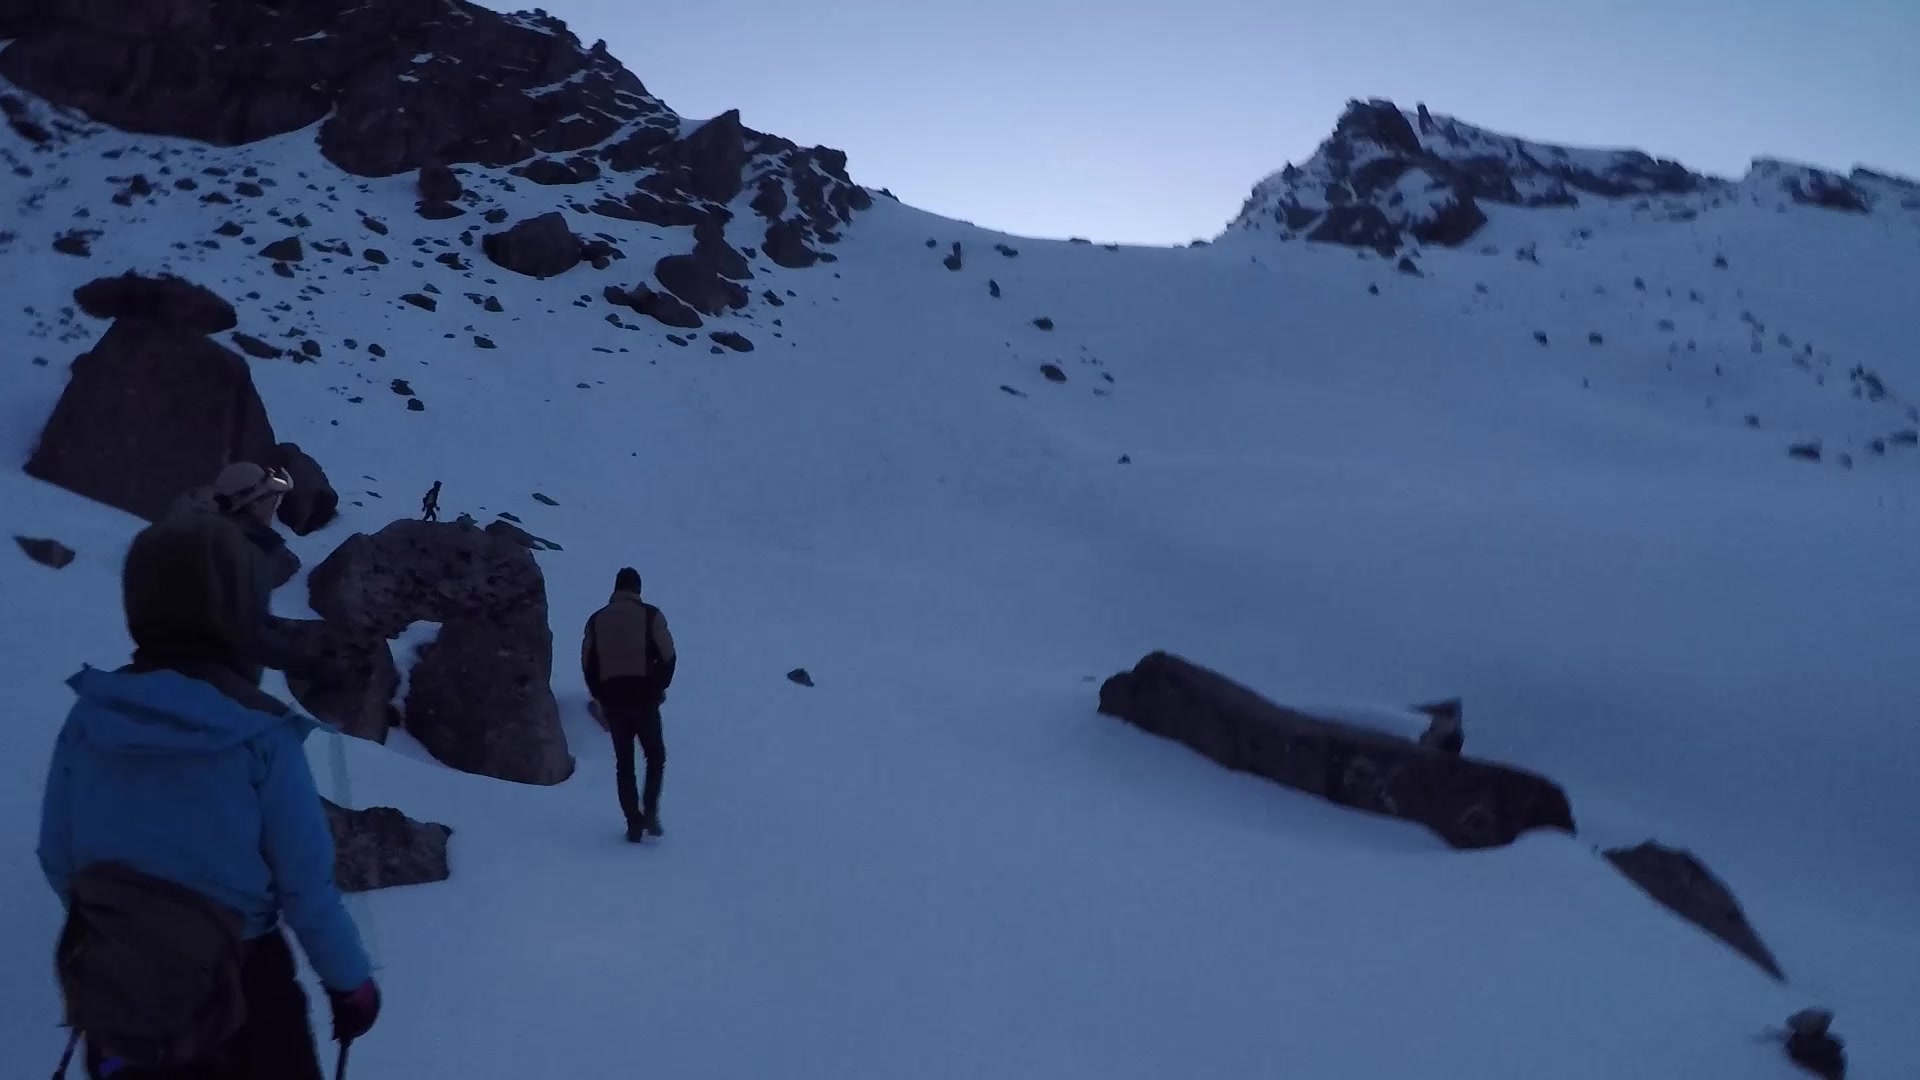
{"type": "Point", "coordinates": [697, 279]}
{"type": "Point", "coordinates": [1681, 883]}
{"type": "Point", "coordinates": [1468, 803]}
{"type": "Point", "coordinates": [380, 847]}
{"type": "Point", "coordinates": [479, 698]}
{"type": "Point", "coordinates": [164, 299]}
{"type": "Point", "coordinates": [338, 673]}
{"type": "Point", "coordinates": [1387, 176]}
{"type": "Point", "coordinates": [662, 307]}
{"type": "Point", "coordinates": [313, 503]}
{"type": "Point", "coordinates": [152, 410]}
{"type": "Point", "coordinates": [538, 247]}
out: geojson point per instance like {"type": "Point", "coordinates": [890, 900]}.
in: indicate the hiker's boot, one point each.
{"type": "Point", "coordinates": [636, 831]}
{"type": "Point", "coordinates": [653, 824]}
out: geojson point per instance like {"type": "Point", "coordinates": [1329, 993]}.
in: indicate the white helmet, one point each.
{"type": "Point", "coordinates": [243, 483]}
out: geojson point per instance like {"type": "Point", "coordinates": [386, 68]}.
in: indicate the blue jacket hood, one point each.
{"type": "Point", "coordinates": [165, 712]}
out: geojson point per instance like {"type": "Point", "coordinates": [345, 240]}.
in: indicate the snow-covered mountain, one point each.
{"type": "Point", "coordinates": [1387, 177]}
{"type": "Point", "coordinates": [1633, 482]}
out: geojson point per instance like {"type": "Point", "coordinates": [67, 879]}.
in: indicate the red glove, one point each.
{"type": "Point", "coordinates": [355, 1011]}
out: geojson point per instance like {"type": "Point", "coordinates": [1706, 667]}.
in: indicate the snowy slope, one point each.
{"type": "Point", "coordinates": [940, 862]}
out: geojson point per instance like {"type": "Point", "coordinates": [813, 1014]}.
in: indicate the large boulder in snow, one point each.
{"type": "Point", "coordinates": [480, 697]}
{"type": "Point", "coordinates": [150, 411]}
{"type": "Point", "coordinates": [165, 299]}
{"type": "Point", "coordinates": [1681, 883]}
{"type": "Point", "coordinates": [339, 673]}
{"type": "Point", "coordinates": [380, 847]}
{"type": "Point", "coordinates": [312, 504]}
{"type": "Point", "coordinates": [697, 279]}
{"type": "Point", "coordinates": [538, 247]}
{"type": "Point", "coordinates": [1469, 803]}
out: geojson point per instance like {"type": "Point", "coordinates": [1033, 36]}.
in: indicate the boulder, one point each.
{"type": "Point", "coordinates": [312, 504]}
{"type": "Point", "coordinates": [786, 245]}
{"type": "Point", "coordinates": [49, 553]}
{"type": "Point", "coordinates": [165, 299]}
{"type": "Point", "coordinates": [1682, 884]}
{"type": "Point", "coordinates": [699, 282]}
{"type": "Point", "coordinates": [439, 184]}
{"type": "Point", "coordinates": [1468, 803]}
{"type": "Point", "coordinates": [479, 698]}
{"type": "Point", "coordinates": [538, 247]}
{"type": "Point", "coordinates": [342, 675]}
{"type": "Point", "coordinates": [149, 412]}
{"type": "Point", "coordinates": [380, 847]}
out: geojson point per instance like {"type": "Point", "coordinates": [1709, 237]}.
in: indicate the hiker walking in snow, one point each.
{"type": "Point", "coordinates": [628, 659]}
{"type": "Point", "coordinates": [430, 505]}
{"type": "Point", "coordinates": [180, 827]}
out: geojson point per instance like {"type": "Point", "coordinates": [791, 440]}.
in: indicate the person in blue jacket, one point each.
{"type": "Point", "coordinates": [179, 766]}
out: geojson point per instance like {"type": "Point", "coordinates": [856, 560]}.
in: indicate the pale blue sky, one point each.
{"type": "Point", "coordinates": [1149, 120]}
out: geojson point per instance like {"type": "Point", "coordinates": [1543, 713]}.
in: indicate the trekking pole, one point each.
{"type": "Point", "coordinates": [66, 1058]}
{"type": "Point", "coordinates": [340, 1068]}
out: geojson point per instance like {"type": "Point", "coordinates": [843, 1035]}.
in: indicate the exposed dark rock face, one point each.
{"type": "Point", "coordinates": [479, 698]}
{"type": "Point", "coordinates": [164, 299]}
{"type": "Point", "coordinates": [380, 847]}
{"type": "Point", "coordinates": [538, 247]}
{"type": "Point", "coordinates": [149, 412]}
{"type": "Point", "coordinates": [1683, 885]}
{"type": "Point", "coordinates": [1468, 803]}
{"type": "Point", "coordinates": [1386, 175]}
{"type": "Point", "coordinates": [313, 503]}
{"type": "Point", "coordinates": [662, 307]}
{"type": "Point", "coordinates": [696, 279]}
{"type": "Point", "coordinates": [339, 673]}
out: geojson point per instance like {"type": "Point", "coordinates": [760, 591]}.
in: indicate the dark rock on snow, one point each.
{"type": "Point", "coordinates": [164, 299]}
{"type": "Point", "coordinates": [149, 412]}
{"type": "Point", "coordinates": [1812, 1045]}
{"type": "Point", "coordinates": [51, 553]}
{"type": "Point", "coordinates": [381, 847]}
{"type": "Point", "coordinates": [313, 503]}
{"type": "Point", "coordinates": [342, 674]}
{"type": "Point", "coordinates": [1468, 803]}
{"type": "Point", "coordinates": [732, 340]}
{"type": "Point", "coordinates": [697, 280]}
{"type": "Point", "coordinates": [479, 698]}
{"type": "Point", "coordinates": [538, 247]}
{"type": "Point", "coordinates": [1683, 885]}
{"type": "Point", "coordinates": [439, 184]}
{"type": "Point", "coordinates": [287, 250]}
{"type": "Point", "coordinates": [800, 677]}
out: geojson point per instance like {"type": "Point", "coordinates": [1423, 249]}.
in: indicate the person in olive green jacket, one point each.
{"type": "Point", "coordinates": [628, 659]}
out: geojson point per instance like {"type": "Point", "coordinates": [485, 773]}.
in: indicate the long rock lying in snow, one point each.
{"type": "Point", "coordinates": [1469, 803]}
{"type": "Point", "coordinates": [1681, 883]}
{"type": "Point", "coordinates": [380, 847]}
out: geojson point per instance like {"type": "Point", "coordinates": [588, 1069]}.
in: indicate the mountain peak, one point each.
{"type": "Point", "coordinates": [1387, 175]}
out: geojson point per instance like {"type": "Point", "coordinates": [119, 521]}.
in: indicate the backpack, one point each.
{"type": "Point", "coordinates": [149, 970]}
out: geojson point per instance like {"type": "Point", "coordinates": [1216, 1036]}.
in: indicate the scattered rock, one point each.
{"type": "Point", "coordinates": [1007, 251]}
{"type": "Point", "coordinates": [1805, 451]}
{"type": "Point", "coordinates": [732, 340]}
{"type": "Point", "coordinates": [420, 301]}
{"type": "Point", "coordinates": [1468, 803]}
{"type": "Point", "coordinates": [993, 288]}
{"type": "Point", "coordinates": [484, 342]}
{"type": "Point", "coordinates": [77, 242]}
{"type": "Point", "coordinates": [287, 250]}
{"type": "Point", "coordinates": [1812, 1046]}
{"type": "Point", "coordinates": [540, 498]}
{"type": "Point", "coordinates": [438, 210]}
{"type": "Point", "coordinates": [1043, 323]}
{"type": "Point", "coordinates": [800, 677]}
{"type": "Point", "coordinates": [1594, 338]}
{"type": "Point", "coordinates": [953, 261]}
{"type": "Point", "coordinates": [1681, 883]}
{"type": "Point", "coordinates": [438, 183]}
{"type": "Point", "coordinates": [1407, 266]}
{"type": "Point", "coordinates": [375, 256]}
{"type": "Point", "coordinates": [46, 552]}
{"type": "Point", "coordinates": [1053, 373]}
{"type": "Point", "coordinates": [698, 282]}
{"type": "Point", "coordinates": [165, 299]}
{"type": "Point", "coordinates": [538, 247]}
{"type": "Point", "coordinates": [1540, 336]}
{"type": "Point", "coordinates": [381, 847]}
{"type": "Point", "coordinates": [402, 387]}
{"type": "Point", "coordinates": [416, 405]}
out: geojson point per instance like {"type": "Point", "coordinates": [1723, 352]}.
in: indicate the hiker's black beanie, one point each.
{"type": "Point", "coordinates": [627, 580]}
{"type": "Point", "coordinates": [187, 586]}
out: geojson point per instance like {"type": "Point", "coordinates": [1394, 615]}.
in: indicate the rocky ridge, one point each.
{"type": "Point", "coordinates": [425, 85]}
{"type": "Point", "coordinates": [1388, 177]}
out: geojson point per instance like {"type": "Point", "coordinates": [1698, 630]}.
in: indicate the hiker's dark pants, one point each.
{"type": "Point", "coordinates": [631, 722]}
{"type": "Point", "coordinates": [276, 1042]}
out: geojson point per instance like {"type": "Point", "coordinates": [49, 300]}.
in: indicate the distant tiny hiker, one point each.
{"type": "Point", "coordinates": [430, 504]}
{"type": "Point", "coordinates": [628, 659]}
